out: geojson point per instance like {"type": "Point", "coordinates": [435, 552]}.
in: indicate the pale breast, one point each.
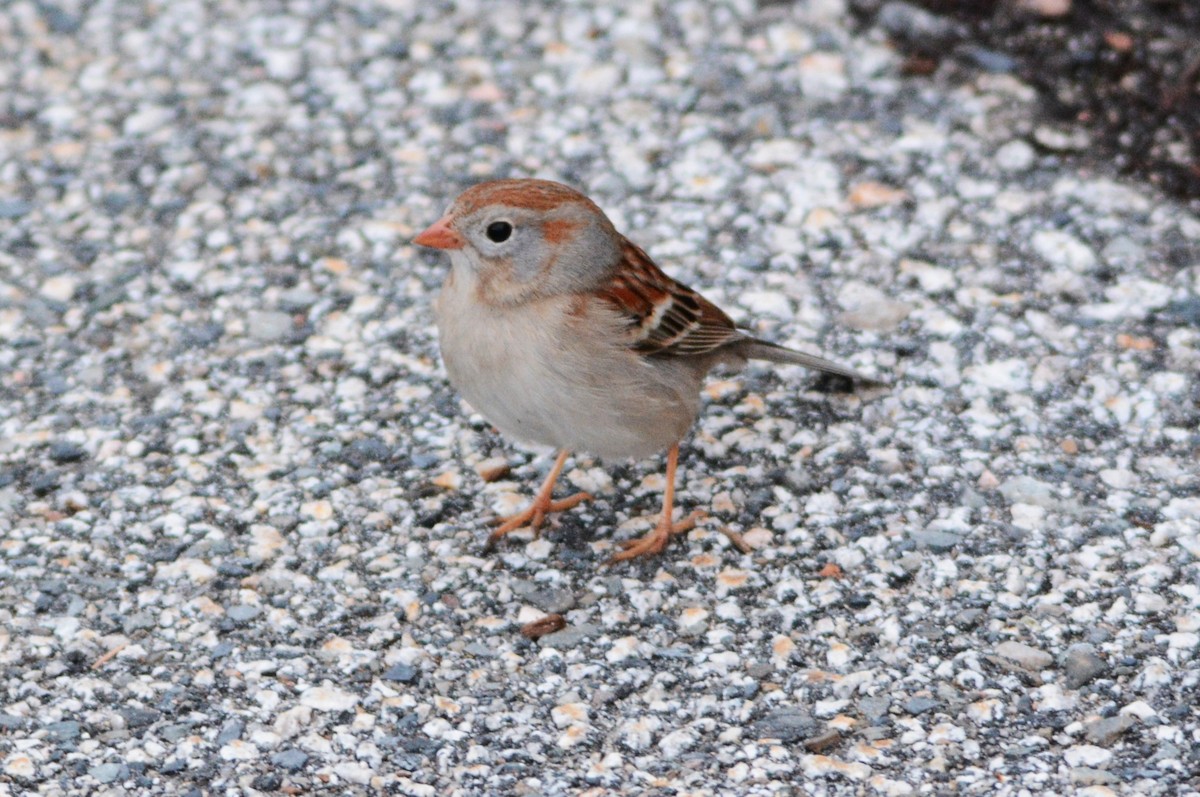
{"type": "Point", "coordinates": [557, 372]}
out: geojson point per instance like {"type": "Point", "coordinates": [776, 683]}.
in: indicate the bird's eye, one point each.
{"type": "Point", "coordinates": [499, 231]}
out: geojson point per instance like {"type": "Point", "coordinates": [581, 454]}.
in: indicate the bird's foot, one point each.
{"type": "Point", "coordinates": [533, 515]}
{"type": "Point", "coordinates": [656, 541]}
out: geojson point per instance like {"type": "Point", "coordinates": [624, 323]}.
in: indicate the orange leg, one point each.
{"type": "Point", "coordinates": [533, 515]}
{"type": "Point", "coordinates": [656, 541]}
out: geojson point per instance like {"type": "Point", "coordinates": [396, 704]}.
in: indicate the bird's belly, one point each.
{"type": "Point", "coordinates": [554, 388]}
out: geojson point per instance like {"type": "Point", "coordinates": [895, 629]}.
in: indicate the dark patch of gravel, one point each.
{"type": "Point", "coordinates": [1128, 71]}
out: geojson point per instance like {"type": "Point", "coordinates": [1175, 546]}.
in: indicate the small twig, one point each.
{"type": "Point", "coordinates": [107, 657]}
{"type": "Point", "coordinates": [737, 539]}
{"type": "Point", "coordinates": [546, 625]}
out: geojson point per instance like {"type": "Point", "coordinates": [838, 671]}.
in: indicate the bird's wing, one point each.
{"type": "Point", "coordinates": [667, 318]}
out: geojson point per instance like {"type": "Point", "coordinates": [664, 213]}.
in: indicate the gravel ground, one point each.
{"type": "Point", "coordinates": [241, 508]}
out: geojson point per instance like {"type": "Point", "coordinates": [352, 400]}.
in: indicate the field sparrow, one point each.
{"type": "Point", "coordinates": [561, 332]}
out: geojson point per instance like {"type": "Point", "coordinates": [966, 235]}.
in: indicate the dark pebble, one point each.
{"type": "Point", "coordinates": [202, 335]}
{"type": "Point", "coordinates": [268, 781]}
{"type": "Point", "coordinates": [140, 717]}
{"type": "Point", "coordinates": [42, 484]}
{"type": "Point", "coordinates": [1081, 666]}
{"type": "Point", "coordinates": [786, 725]}
{"type": "Point", "coordinates": [65, 731]}
{"type": "Point", "coordinates": [366, 449]}
{"type": "Point", "coordinates": [235, 568]}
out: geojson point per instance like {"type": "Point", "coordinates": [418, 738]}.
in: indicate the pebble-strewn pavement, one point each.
{"type": "Point", "coordinates": [241, 509]}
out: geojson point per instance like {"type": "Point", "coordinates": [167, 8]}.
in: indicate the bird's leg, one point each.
{"type": "Point", "coordinates": [533, 515]}
{"type": "Point", "coordinates": [654, 542]}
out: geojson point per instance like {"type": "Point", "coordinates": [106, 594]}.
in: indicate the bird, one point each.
{"type": "Point", "coordinates": [562, 332]}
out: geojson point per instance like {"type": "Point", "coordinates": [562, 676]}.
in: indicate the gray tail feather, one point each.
{"type": "Point", "coordinates": [762, 350]}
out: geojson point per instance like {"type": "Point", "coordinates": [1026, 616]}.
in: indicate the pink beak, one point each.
{"type": "Point", "coordinates": [440, 236]}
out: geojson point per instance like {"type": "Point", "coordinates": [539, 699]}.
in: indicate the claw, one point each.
{"type": "Point", "coordinates": [656, 541]}
{"type": "Point", "coordinates": [533, 516]}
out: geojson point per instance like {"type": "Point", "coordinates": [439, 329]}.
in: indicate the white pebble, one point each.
{"type": "Point", "coordinates": [1063, 250]}
{"type": "Point", "coordinates": [328, 698]}
{"type": "Point", "coordinates": [1087, 755]}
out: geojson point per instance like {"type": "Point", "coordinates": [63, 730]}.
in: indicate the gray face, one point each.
{"type": "Point", "coordinates": [502, 233]}
{"type": "Point", "coordinates": [568, 248]}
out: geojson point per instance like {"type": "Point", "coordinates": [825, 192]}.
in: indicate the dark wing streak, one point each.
{"type": "Point", "coordinates": [690, 325]}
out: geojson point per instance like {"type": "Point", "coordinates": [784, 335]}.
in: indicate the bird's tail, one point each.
{"type": "Point", "coordinates": [762, 350]}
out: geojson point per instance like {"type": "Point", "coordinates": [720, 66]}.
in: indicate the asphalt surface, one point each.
{"type": "Point", "coordinates": [242, 512]}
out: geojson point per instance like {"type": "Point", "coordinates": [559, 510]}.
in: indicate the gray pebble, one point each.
{"type": "Point", "coordinates": [243, 613]}
{"type": "Point", "coordinates": [65, 730]}
{"type": "Point", "coordinates": [202, 335]}
{"type": "Point", "coordinates": [233, 729]}
{"type": "Point", "coordinates": [140, 717]}
{"type": "Point", "coordinates": [1184, 311]}
{"type": "Point", "coordinates": [1025, 656]}
{"type": "Point", "coordinates": [10, 722]}
{"type": "Point", "coordinates": [874, 708]}
{"type": "Point", "coordinates": [366, 449]}
{"type": "Point", "coordinates": [401, 673]}
{"type": "Point", "coordinates": [936, 541]}
{"type": "Point", "coordinates": [1082, 665]}
{"type": "Point", "coordinates": [107, 773]}
{"type": "Point", "coordinates": [291, 759]}
{"type": "Point", "coordinates": [479, 649]}
{"type": "Point", "coordinates": [569, 637]}
{"type": "Point", "coordinates": [14, 208]}
{"type": "Point", "coordinates": [917, 706]}
{"type": "Point", "coordinates": [1105, 732]}
{"type": "Point", "coordinates": [786, 725]}
{"type": "Point", "coordinates": [139, 621]}
{"type": "Point", "coordinates": [1027, 490]}
{"type": "Point", "coordinates": [175, 731]}
{"type": "Point", "coordinates": [268, 325]}
{"type": "Point", "coordinates": [65, 451]}
{"type": "Point", "coordinates": [1090, 776]}
{"type": "Point", "coordinates": [910, 23]}
{"type": "Point", "coordinates": [552, 601]}
{"type": "Point", "coordinates": [991, 60]}
{"type": "Point", "coordinates": [1015, 156]}
{"type": "Point", "coordinates": [297, 300]}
